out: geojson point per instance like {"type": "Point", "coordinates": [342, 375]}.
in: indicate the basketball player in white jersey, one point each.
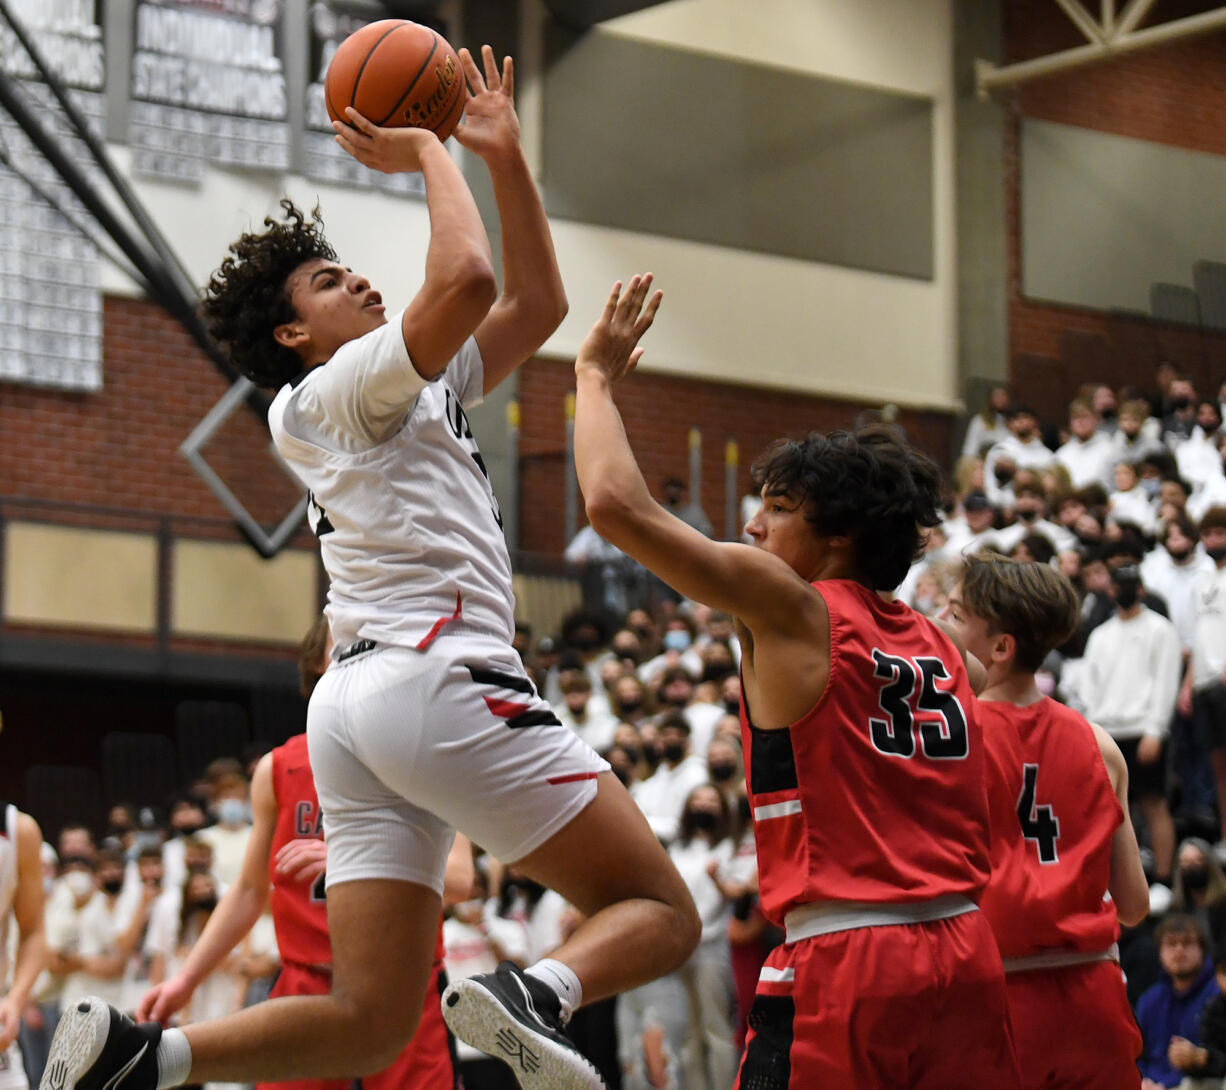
{"type": "Point", "coordinates": [21, 899]}
{"type": "Point", "coordinates": [426, 720]}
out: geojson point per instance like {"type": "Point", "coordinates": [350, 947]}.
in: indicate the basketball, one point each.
{"type": "Point", "coordinates": [396, 73]}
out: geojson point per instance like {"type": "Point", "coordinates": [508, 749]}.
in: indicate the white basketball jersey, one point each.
{"type": "Point", "coordinates": [409, 528]}
{"type": "Point", "coordinates": [8, 884]}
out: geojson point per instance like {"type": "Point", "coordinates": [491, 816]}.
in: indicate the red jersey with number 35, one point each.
{"type": "Point", "coordinates": [299, 911]}
{"type": "Point", "coordinates": [1054, 813]}
{"type": "Point", "coordinates": [878, 793]}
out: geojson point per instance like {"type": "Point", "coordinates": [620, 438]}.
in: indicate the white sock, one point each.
{"type": "Point", "coordinates": [562, 982]}
{"type": "Point", "coordinates": [174, 1056]}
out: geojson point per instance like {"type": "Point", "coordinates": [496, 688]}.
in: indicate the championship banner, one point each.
{"type": "Point", "coordinates": [50, 294]}
{"type": "Point", "coordinates": [208, 86]}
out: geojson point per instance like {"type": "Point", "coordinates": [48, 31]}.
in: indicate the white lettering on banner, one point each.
{"type": "Point", "coordinates": [202, 35]}
{"type": "Point", "coordinates": [203, 85]}
{"type": "Point", "coordinates": [67, 36]}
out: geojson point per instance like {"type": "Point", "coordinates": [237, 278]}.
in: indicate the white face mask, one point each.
{"type": "Point", "coordinates": [79, 883]}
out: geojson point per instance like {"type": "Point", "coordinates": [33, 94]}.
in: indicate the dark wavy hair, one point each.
{"type": "Point", "coordinates": [247, 298]}
{"type": "Point", "coordinates": [868, 484]}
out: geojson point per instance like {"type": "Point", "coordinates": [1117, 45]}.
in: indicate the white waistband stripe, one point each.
{"type": "Point", "coordinates": [826, 917]}
{"type": "Point", "coordinates": [776, 976]}
{"type": "Point", "coordinates": [776, 810]}
{"type": "Point", "coordinates": [1058, 959]}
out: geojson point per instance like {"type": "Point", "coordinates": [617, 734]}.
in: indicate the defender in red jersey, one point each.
{"type": "Point", "coordinates": [864, 761]}
{"type": "Point", "coordinates": [286, 855]}
{"type": "Point", "coordinates": [1061, 837]}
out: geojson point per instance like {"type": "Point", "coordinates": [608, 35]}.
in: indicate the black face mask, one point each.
{"type": "Point", "coordinates": [629, 707]}
{"type": "Point", "coordinates": [722, 773]}
{"type": "Point", "coordinates": [703, 819]}
{"type": "Point", "coordinates": [112, 885]}
{"type": "Point", "coordinates": [1217, 554]}
{"type": "Point", "coordinates": [1028, 515]}
{"type": "Point", "coordinates": [188, 830]}
{"type": "Point", "coordinates": [1179, 555]}
{"type": "Point", "coordinates": [1181, 403]}
{"type": "Point", "coordinates": [1108, 414]}
{"type": "Point", "coordinates": [1003, 474]}
{"type": "Point", "coordinates": [1195, 878]}
{"type": "Point", "coordinates": [732, 707]}
{"type": "Point", "coordinates": [634, 753]}
{"type": "Point", "coordinates": [206, 904]}
{"type": "Point", "coordinates": [1126, 594]}
{"type": "Point", "coordinates": [673, 752]}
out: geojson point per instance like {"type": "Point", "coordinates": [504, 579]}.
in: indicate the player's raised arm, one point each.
{"type": "Point", "coordinates": [533, 302]}
{"type": "Point", "coordinates": [459, 285]}
{"type": "Point", "coordinates": [753, 585]}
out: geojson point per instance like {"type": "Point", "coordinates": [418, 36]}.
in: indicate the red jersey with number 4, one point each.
{"type": "Point", "coordinates": [878, 793]}
{"type": "Point", "coordinates": [1054, 814]}
{"type": "Point", "coordinates": [299, 911]}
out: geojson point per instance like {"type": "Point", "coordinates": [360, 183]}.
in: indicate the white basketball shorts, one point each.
{"type": "Point", "coordinates": [407, 746]}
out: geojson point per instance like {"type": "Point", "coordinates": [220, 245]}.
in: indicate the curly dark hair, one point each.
{"type": "Point", "coordinates": [246, 298]}
{"type": "Point", "coordinates": [868, 484]}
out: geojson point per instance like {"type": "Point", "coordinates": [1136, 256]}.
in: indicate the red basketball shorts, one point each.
{"type": "Point", "coordinates": [424, 1064]}
{"type": "Point", "coordinates": [918, 1006]}
{"type": "Point", "coordinates": [1073, 1028]}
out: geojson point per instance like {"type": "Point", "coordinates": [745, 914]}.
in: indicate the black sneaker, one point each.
{"type": "Point", "coordinates": [517, 1019]}
{"type": "Point", "coordinates": [97, 1048]}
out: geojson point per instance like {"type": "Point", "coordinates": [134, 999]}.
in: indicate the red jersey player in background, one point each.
{"type": "Point", "coordinates": [286, 853]}
{"type": "Point", "coordinates": [865, 767]}
{"type": "Point", "coordinates": [1061, 836]}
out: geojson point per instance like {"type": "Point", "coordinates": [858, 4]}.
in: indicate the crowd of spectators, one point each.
{"type": "Point", "coordinates": [1127, 496]}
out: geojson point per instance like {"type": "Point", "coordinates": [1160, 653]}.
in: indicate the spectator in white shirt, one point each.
{"type": "Point", "coordinates": [1213, 494]}
{"type": "Point", "coordinates": [1204, 687]}
{"type": "Point", "coordinates": [1023, 449]}
{"type": "Point", "coordinates": [1129, 502]}
{"type": "Point", "coordinates": [1197, 458]}
{"type": "Point", "coordinates": [1030, 508]}
{"type": "Point", "coordinates": [1089, 453]}
{"type": "Point", "coordinates": [662, 795]}
{"type": "Point", "coordinates": [1138, 435]}
{"type": "Point", "coordinates": [1128, 684]}
{"type": "Point", "coordinates": [588, 719]}
{"type": "Point", "coordinates": [988, 426]}
{"type": "Point", "coordinates": [232, 808]}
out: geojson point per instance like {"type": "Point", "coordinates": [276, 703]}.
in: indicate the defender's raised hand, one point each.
{"type": "Point", "coordinates": [611, 347]}
{"type": "Point", "coordinates": [490, 126]}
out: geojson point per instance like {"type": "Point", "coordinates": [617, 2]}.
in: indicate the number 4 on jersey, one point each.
{"type": "Point", "coordinates": [1039, 823]}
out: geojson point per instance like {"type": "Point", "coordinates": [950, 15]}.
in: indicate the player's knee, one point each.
{"type": "Point", "coordinates": [377, 1034]}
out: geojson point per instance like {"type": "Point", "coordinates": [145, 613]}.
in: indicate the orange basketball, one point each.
{"type": "Point", "coordinates": [396, 73]}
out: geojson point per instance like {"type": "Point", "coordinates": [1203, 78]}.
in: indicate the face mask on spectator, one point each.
{"type": "Point", "coordinates": [1126, 594]}
{"type": "Point", "coordinates": [629, 707]}
{"type": "Point", "coordinates": [673, 751]}
{"type": "Point", "coordinates": [1179, 555]}
{"type": "Point", "coordinates": [1004, 474]}
{"type": "Point", "coordinates": [676, 639]}
{"type": "Point", "coordinates": [1195, 878]}
{"type": "Point", "coordinates": [1151, 486]}
{"type": "Point", "coordinates": [206, 904]}
{"type": "Point", "coordinates": [703, 819]}
{"type": "Point", "coordinates": [112, 886]}
{"type": "Point", "coordinates": [722, 772]}
{"type": "Point", "coordinates": [1217, 554]}
{"type": "Point", "coordinates": [231, 811]}
{"type": "Point", "coordinates": [79, 882]}
{"type": "Point", "coordinates": [633, 752]}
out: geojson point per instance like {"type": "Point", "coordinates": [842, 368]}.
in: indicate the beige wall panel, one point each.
{"type": "Point", "coordinates": [543, 600]}
{"type": "Point", "coordinates": [228, 591]}
{"type": "Point", "coordinates": [56, 575]}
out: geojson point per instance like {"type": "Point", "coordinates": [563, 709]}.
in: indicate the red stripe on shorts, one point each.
{"type": "Point", "coordinates": [574, 777]}
{"type": "Point", "coordinates": [505, 709]}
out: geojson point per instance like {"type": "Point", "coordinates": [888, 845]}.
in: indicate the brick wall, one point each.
{"type": "Point", "coordinates": [659, 412]}
{"type": "Point", "coordinates": [1173, 94]}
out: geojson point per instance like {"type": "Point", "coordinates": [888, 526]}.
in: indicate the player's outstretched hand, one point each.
{"type": "Point", "coordinates": [303, 859]}
{"type": "Point", "coordinates": [163, 1000]}
{"type": "Point", "coordinates": [393, 151]}
{"type": "Point", "coordinates": [611, 347]}
{"type": "Point", "coordinates": [489, 127]}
